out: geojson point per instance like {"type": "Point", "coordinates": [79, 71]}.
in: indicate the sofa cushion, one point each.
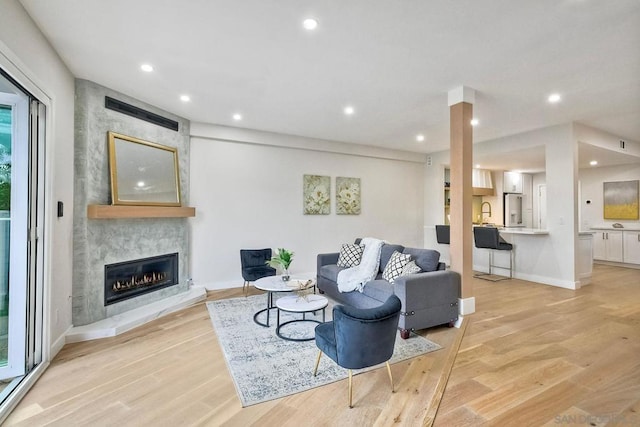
{"type": "Point", "coordinates": [395, 265]}
{"type": "Point", "coordinates": [330, 272]}
{"type": "Point", "coordinates": [426, 259]}
{"type": "Point", "coordinates": [350, 255]}
{"type": "Point", "coordinates": [386, 252]}
{"type": "Point", "coordinates": [379, 290]}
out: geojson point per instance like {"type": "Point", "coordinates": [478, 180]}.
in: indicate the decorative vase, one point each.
{"type": "Point", "coordinates": [285, 275]}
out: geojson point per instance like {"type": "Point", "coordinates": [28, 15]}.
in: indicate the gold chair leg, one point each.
{"type": "Point", "coordinates": [390, 376]}
{"type": "Point", "coordinates": [245, 288]}
{"type": "Point", "coordinates": [315, 371]}
{"type": "Point", "coordinates": [350, 387]}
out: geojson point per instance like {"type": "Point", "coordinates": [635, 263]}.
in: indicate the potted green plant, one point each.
{"type": "Point", "coordinates": [282, 259]}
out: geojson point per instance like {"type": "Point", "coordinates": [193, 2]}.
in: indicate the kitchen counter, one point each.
{"type": "Point", "coordinates": [625, 228]}
{"type": "Point", "coordinates": [535, 256]}
{"type": "Point", "coordinates": [520, 230]}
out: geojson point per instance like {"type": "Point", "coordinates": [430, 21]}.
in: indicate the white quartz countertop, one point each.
{"type": "Point", "coordinates": [626, 227]}
{"type": "Point", "coordinates": [520, 230]}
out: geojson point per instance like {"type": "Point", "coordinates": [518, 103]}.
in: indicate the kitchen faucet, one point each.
{"type": "Point", "coordinates": [482, 211]}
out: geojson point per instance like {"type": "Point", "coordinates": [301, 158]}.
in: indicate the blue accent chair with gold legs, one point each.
{"type": "Point", "coordinates": [254, 266]}
{"type": "Point", "coordinates": [360, 337]}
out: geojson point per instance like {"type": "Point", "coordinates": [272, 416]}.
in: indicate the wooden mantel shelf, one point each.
{"type": "Point", "coordinates": [121, 211]}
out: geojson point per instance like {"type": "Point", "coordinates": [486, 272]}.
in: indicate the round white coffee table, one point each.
{"type": "Point", "coordinates": [300, 304]}
{"type": "Point", "coordinates": [272, 284]}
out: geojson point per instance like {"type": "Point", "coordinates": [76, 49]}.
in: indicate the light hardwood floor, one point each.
{"type": "Point", "coordinates": [531, 355]}
{"type": "Point", "coordinates": [537, 355]}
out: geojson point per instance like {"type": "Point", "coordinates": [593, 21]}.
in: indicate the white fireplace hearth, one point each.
{"type": "Point", "coordinates": [123, 322]}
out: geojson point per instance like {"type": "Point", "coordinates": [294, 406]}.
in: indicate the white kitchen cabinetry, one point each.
{"type": "Point", "coordinates": [607, 245]}
{"type": "Point", "coordinates": [631, 249]}
{"type": "Point", "coordinates": [512, 182]}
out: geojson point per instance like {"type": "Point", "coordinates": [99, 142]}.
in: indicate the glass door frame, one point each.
{"type": "Point", "coordinates": [19, 219]}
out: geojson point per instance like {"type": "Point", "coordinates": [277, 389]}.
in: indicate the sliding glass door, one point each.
{"type": "Point", "coordinates": [14, 160]}
{"type": "Point", "coordinates": [21, 213]}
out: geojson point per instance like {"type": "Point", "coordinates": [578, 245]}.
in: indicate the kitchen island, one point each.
{"type": "Point", "coordinates": [535, 256]}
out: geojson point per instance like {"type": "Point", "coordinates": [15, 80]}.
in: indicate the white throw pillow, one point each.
{"type": "Point", "coordinates": [350, 255]}
{"type": "Point", "coordinates": [395, 265]}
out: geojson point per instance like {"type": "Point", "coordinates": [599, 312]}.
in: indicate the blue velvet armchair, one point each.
{"type": "Point", "coordinates": [360, 337]}
{"type": "Point", "coordinates": [254, 265]}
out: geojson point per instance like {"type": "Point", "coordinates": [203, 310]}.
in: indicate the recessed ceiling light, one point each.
{"type": "Point", "coordinates": [146, 67]}
{"type": "Point", "coordinates": [478, 166]}
{"type": "Point", "coordinates": [554, 97]}
{"type": "Point", "coordinates": [475, 122]}
{"type": "Point", "coordinates": [310, 24]}
{"type": "Point", "coordinates": [185, 98]}
{"type": "Point", "coordinates": [348, 110]}
{"type": "Point", "coordinates": [593, 162]}
{"type": "Point", "coordinates": [140, 183]}
{"type": "Point", "coordinates": [237, 116]}
{"type": "Point", "coordinates": [420, 138]}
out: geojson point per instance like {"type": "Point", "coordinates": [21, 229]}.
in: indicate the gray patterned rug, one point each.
{"type": "Point", "coordinates": [265, 367]}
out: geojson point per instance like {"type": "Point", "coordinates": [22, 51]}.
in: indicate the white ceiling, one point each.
{"type": "Point", "coordinates": [393, 60]}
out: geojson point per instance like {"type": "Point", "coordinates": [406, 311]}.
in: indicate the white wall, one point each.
{"type": "Point", "coordinates": [434, 188]}
{"type": "Point", "coordinates": [605, 140]}
{"type": "Point", "coordinates": [27, 55]}
{"type": "Point", "coordinates": [538, 179]}
{"type": "Point", "coordinates": [249, 195]}
{"type": "Point", "coordinates": [592, 189]}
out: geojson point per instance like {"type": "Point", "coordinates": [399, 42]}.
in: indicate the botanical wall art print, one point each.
{"type": "Point", "coordinates": [348, 196]}
{"type": "Point", "coordinates": [316, 194]}
{"type": "Point", "coordinates": [621, 200]}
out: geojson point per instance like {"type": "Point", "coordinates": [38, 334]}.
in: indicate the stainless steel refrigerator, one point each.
{"type": "Point", "coordinates": [513, 210]}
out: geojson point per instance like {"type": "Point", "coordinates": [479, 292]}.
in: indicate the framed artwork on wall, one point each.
{"type": "Point", "coordinates": [620, 200]}
{"type": "Point", "coordinates": [316, 195]}
{"type": "Point", "coordinates": [348, 196]}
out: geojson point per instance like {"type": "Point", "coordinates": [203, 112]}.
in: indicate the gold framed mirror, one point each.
{"type": "Point", "coordinates": [143, 173]}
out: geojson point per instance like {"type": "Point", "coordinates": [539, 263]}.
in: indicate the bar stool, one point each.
{"type": "Point", "coordinates": [489, 238]}
{"type": "Point", "coordinates": [443, 234]}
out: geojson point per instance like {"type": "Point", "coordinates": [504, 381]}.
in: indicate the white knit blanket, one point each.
{"type": "Point", "coordinates": [354, 278]}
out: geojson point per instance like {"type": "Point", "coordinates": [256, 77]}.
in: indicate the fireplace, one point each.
{"type": "Point", "coordinates": [130, 279]}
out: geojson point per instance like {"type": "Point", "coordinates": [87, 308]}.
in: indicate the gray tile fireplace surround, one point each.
{"type": "Point", "coordinates": [100, 242]}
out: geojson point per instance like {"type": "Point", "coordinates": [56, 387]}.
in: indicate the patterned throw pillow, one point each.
{"type": "Point", "coordinates": [410, 268]}
{"type": "Point", "coordinates": [350, 255]}
{"type": "Point", "coordinates": [394, 267]}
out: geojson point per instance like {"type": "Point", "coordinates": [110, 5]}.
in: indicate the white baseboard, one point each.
{"type": "Point", "coordinates": [126, 321]}
{"type": "Point", "coordinates": [57, 345]}
{"type": "Point", "coordinates": [544, 280]}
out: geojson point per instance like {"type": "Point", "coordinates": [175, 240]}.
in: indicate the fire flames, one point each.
{"type": "Point", "coordinates": [148, 279]}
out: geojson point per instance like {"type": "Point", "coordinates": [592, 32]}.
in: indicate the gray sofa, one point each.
{"type": "Point", "coordinates": [428, 298]}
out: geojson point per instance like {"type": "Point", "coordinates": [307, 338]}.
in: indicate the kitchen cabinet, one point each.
{"type": "Point", "coordinates": [512, 182]}
{"type": "Point", "coordinates": [607, 245]}
{"type": "Point", "coordinates": [631, 247]}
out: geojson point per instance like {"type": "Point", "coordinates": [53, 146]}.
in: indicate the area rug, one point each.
{"type": "Point", "coordinates": [265, 367]}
